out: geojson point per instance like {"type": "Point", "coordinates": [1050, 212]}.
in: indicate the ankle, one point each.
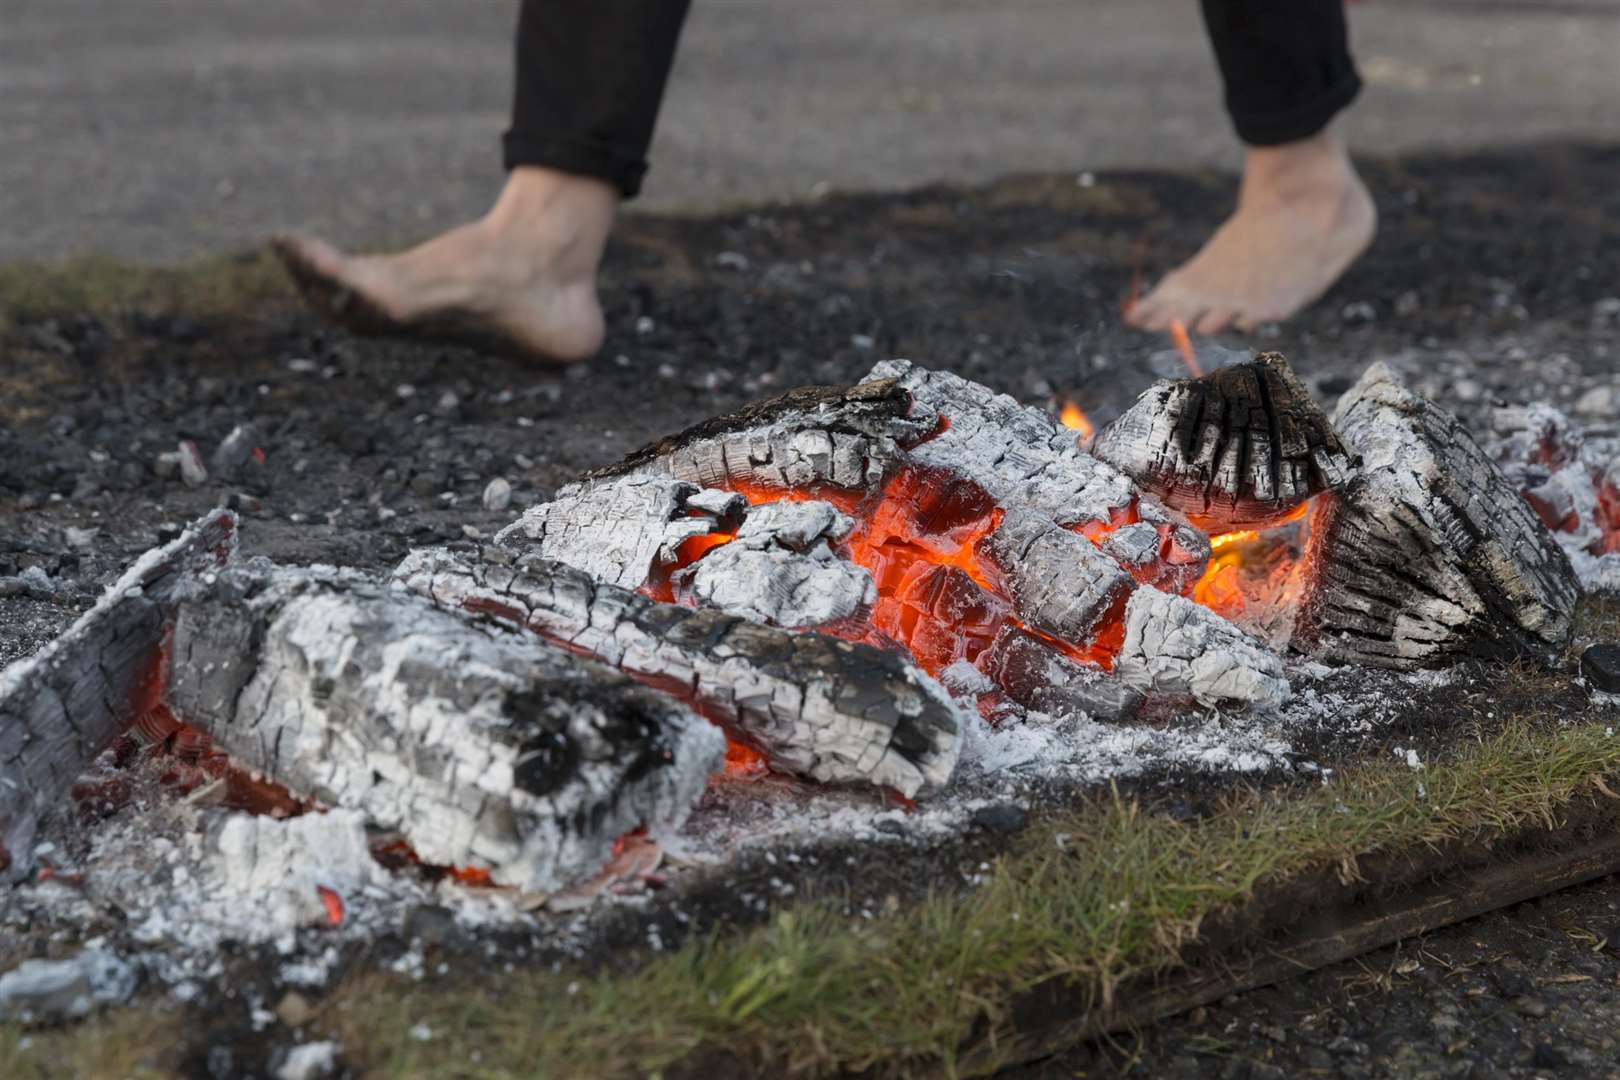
{"type": "Point", "coordinates": [1309, 170]}
{"type": "Point", "coordinates": [545, 204]}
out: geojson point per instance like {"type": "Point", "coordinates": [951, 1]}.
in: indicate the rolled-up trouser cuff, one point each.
{"type": "Point", "coordinates": [575, 155]}
{"type": "Point", "coordinates": [1300, 122]}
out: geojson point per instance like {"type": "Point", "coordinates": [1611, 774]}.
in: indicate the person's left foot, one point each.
{"type": "Point", "coordinates": [1303, 217]}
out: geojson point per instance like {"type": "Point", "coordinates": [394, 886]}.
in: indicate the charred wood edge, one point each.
{"type": "Point", "coordinates": [1346, 926]}
{"type": "Point", "coordinates": [65, 704]}
{"type": "Point", "coordinates": [834, 710]}
{"type": "Point", "coordinates": [1206, 430]}
{"type": "Point", "coordinates": [866, 408]}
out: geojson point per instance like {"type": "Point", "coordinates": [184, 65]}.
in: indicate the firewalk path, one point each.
{"type": "Point", "coordinates": [170, 128]}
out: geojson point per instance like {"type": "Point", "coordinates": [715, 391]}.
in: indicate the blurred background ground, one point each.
{"type": "Point", "coordinates": [165, 128]}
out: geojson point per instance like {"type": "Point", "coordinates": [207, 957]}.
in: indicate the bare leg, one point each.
{"type": "Point", "coordinates": [1303, 216]}
{"type": "Point", "coordinates": [524, 275]}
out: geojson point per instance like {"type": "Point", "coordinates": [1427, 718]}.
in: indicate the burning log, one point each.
{"type": "Point", "coordinates": [1174, 646]}
{"type": "Point", "coordinates": [834, 711]}
{"type": "Point", "coordinates": [66, 704]}
{"type": "Point", "coordinates": [840, 437]}
{"type": "Point", "coordinates": [1239, 448]}
{"type": "Point", "coordinates": [1430, 554]}
{"type": "Point", "coordinates": [482, 747]}
{"type": "Point", "coordinates": [781, 569]}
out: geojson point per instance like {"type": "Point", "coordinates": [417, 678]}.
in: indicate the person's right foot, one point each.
{"type": "Point", "coordinates": [521, 279]}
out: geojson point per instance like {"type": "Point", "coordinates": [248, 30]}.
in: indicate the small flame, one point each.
{"type": "Point", "coordinates": [1071, 416]}
{"type": "Point", "coordinates": [1243, 536]}
{"type": "Point", "coordinates": [1184, 345]}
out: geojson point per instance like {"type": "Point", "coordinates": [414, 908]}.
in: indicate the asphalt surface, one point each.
{"type": "Point", "coordinates": [167, 128]}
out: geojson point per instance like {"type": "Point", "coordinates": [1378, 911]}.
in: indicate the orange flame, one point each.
{"type": "Point", "coordinates": [1184, 345]}
{"type": "Point", "coordinates": [1073, 418]}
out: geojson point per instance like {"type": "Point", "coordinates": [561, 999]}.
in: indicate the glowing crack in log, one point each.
{"type": "Point", "coordinates": [1430, 554]}
{"type": "Point", "coordinates": [482, 746]}
{"type": "Point", "coordinates": [66, 704]}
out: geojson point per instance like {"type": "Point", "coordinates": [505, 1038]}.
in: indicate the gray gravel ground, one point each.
{"type": "Point", "coordinates": [160, 129]}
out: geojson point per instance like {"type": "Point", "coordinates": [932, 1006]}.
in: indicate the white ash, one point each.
{"type": "Point", "coordinates": [497, 494]}
{"type": "Point", "coordinates": [33, 582]}
{"type": "Point", "coordinates": [308, 1061]}
{"type": "Point", "coordinates": [781, 569]}
{"type": "Point", "coordinates": [53, 991]}
{"type": "Point", "coordinates": [271, 871]}
{"type": "Point", "coordinates": [192, 470]}
{"type": "Point", "coordinates": [620, 529]}
{"type": "Point", "coordinates": [1174, 646]}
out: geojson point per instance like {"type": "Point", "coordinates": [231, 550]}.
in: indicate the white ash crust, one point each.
{"type": "Point", "coordinates": [1431, 553]}
{"type": "Point", "coordinates": [39, 991]}
{"type": "Point", "coordinates": [781, 569]}
{"type": "Point", "coordinates": [481, 746]}
{"type": "Point", "coordinates": [1017, 454]}
{"type": "Point", "coordinates": [62, 706]}
{"type": "Point", "coordinates": [835, 711]}
{"type": "Point", "coordinates": [620, 529]}
{"type": "Point", "coordinates": [1174, 646]}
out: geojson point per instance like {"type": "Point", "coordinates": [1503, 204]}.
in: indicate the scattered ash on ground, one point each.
{"type": "Point", "coordinates": [1495, 277]}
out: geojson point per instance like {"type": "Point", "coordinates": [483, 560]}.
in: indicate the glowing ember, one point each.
{"type": "Point", "coordinates": [1073, 418]}
{"type": "Point", "coordinates": [743, 761]}
{"type": "Point", "coordinates": [1184, 345]}
{"type": "Point", "coordinates": [333, 903]}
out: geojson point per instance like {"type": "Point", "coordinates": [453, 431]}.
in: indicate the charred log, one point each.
{"type": "Point", "coordinates": [1239, 448]}
{"type": "Point", "coordinates": [831, 710]}
{"type": "Point", "coordinates": [1431, 554]}
{"type": "Point", "coordinates": [481, 746]}
{"type": "Point", "coordinates": [841, 437]}
{"type": "Point", "coordinates": [66, 704]}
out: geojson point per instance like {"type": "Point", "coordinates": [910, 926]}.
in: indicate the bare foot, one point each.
{"type": "Point", "coordinates": [1303, 217]}
{"type": "Point", "coordinates": [521, 279]}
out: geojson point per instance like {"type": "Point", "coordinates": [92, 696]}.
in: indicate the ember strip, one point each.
{"type": "Point", "coordinates": [66, 704]}
{"type": "Point", "coordinates": [483, 747]}
{"type": "Point", "coordinates": [1431, 554]}
{"type": "Point", "coordinates": [835, 711]}
{"type": "Point", "coordinates": [844, 437]}
{"type": "Point", "coordinates": [1239, 448]}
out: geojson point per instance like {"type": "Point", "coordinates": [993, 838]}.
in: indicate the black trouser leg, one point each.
{"type": "Point", "coordinates": [1286, 64]}
{"type": "Point", "coordinates": [590, 76]}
